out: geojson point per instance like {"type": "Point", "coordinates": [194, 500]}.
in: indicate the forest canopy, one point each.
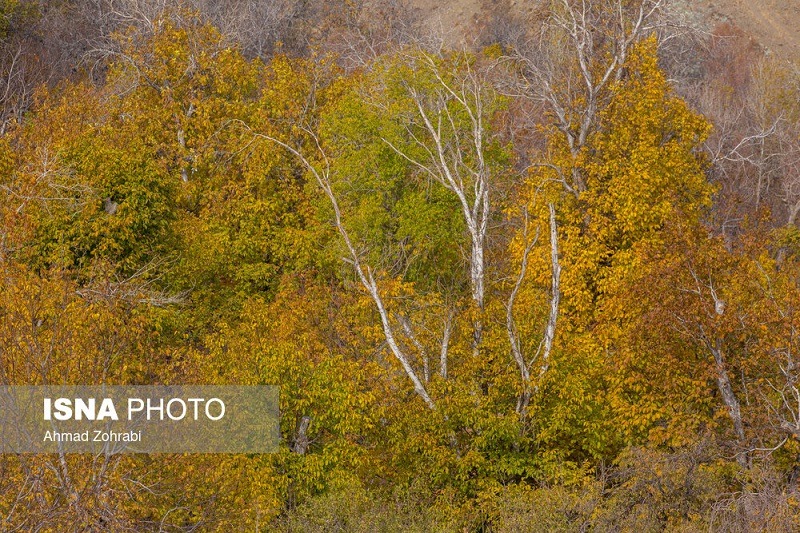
{"type": "Point", "coordinates": [549, 281]}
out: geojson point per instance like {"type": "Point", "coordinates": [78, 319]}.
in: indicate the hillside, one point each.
{"type": "Point", "coordinates": [771, 23]}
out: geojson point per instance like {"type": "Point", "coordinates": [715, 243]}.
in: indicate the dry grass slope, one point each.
{"type": "Point", "coordinates": [774, 24]}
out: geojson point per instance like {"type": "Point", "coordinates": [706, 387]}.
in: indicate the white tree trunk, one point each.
{"type": "Point", "coordinates": [552, 320]}
{"type": "Point", "coordinates": [364, 273]}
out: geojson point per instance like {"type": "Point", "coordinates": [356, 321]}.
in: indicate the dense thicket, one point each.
{"type": "Point", "coordinates": [547, 284]}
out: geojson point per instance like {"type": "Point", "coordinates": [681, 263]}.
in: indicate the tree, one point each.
{"type": "Point", "coordinates": [642, 174]}
{"type": "Point", "coordinates": [581, 51]}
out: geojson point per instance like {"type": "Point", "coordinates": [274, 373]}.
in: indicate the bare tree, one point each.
{"type": "Point", "coordinates": [772, 144]}
{"type": "Point", "coordinates": [256, 25]}
{"type": "Point", "coordinates": [449, 128]}
{"type": "Point", "coordinates": [754, 147]}
{"type": "Point", "coordinates": [580, 50]}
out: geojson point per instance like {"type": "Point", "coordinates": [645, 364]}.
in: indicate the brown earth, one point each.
{"type": "Point", "coordinates": [774, 24]}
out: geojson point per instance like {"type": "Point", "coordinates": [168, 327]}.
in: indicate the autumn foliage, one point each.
{"type": "Point", "coordinates": [483, 313]}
